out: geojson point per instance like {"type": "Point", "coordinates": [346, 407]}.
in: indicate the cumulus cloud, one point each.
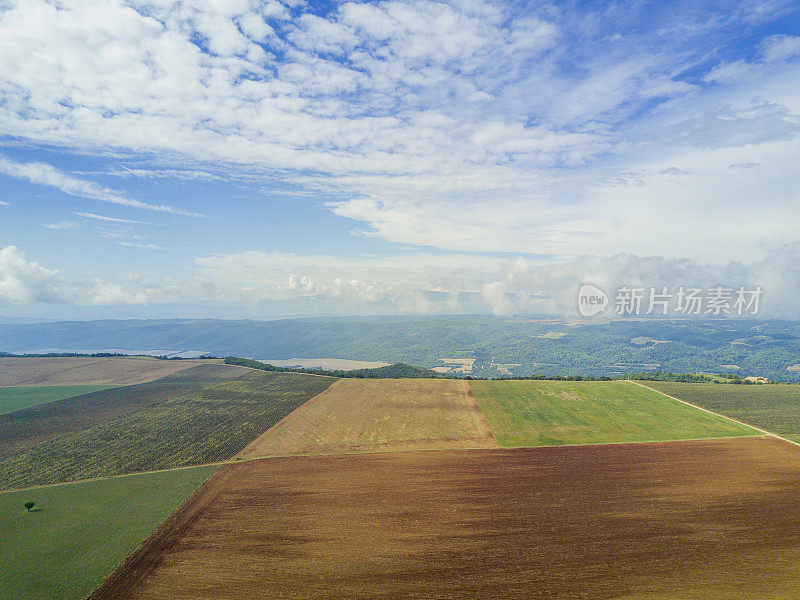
{"type": "Point", "coordinates": [525, 287]}
{"type": "Point", "coordinates": [411, 93]}
{"type": "Point", "coordinates": [26, 282]}
{"type": "Point", "coordinates": [468, 283]}
{"type": "Point", "coordinates": [410, 283]}
{"type": "Point", "coordinates": [114, 294]}
{"type": "Point", "coordinates": [405, 283]}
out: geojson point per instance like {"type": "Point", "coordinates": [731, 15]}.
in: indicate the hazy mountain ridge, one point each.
{"type": "Point", "coordinates": [521, 346]}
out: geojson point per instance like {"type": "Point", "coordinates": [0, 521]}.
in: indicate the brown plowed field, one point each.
{"type": "Point", "coordinates": [361, 415]}
{"type": "Point", "coordinates": [86, 370]}
{"type": "Point", "coordinates": [711, 519]}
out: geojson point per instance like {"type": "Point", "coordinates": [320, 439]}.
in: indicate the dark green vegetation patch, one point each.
{"type": "Point", "coordinates": [775, 408]}
{"type": "Point", "coordinates": [78, 533]}
{"type": "Point", "coordinates": [549, 413]}
{"type": "Point", "coordinates": [37, 424]}
{"type": "Point", "coordinates": [18, 398]}
{"type": "Point", "coordinates": [209, 423]}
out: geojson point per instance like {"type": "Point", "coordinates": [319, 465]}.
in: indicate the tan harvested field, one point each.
{"type": "Point", "coordinates": [86, 370]}
{"type": "Point", "coordinates": [325, 363]}
{"type": "Point", "coordinates": [358, 415]}
{"type": "Point", "coordinates": [711, 519]}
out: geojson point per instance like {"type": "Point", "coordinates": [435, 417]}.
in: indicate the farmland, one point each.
{"type": "Point", "coordinates": [544, 413]}
{"type": "Point", "coordinates": [321, 497]}
{"type": "Point", "coordinates": [88, 370]}
{"type": "Point", "coordinates": [379, 414]}
{"type": "Point", "coordinates": [78, 533]}
{"type": "Point", "coordinates": [662, 520]}
{"type": "Point", "coordinates": [210, 422]}
{"type": "Point", "coordinates": [775, 408]}
{"type": "Point", "coordinates": [17, 398]}
{"type": "Point", "coordinates": [28, 427]}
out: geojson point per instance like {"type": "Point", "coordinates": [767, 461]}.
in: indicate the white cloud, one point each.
{"type": "Point", "coordinates": [412, 283]}
{"type": "Point", "coordinates": [172, 174]}
{"type": "Point", "coordinates": [138, 245]}
{"type": "Point", "coordinates": [105, 219]}
{"type": "Point", "coordinates": [548, 132]}
{"type": "Point", "coordinates": [44, 174]}
{"type": "Point", "coordinates": [525, 287]}
{"type": "Point", "coordinates": [781, 47]}
{"type": "Point", "coordinates": [23, 282]}
{"type": "Point", "coordinates": [468, 283]}
{"type": "Point", "coordinates": [3, 203]}
{"type": "Point", "coordinates": [114, 294]}
{"type": "Point", "coordinates": [109, 77]}
{"type": "Point", "coordinates": [401, 281]}
{"type": "Point", "coordinates": [61, 225]}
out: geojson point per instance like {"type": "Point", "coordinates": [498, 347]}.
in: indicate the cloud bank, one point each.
{"type": "Point", "coordinates": [551, 130]}
{"type": "Point", "coordinates": [24, 283]}
{"type": "Point", "coordinates": [275, 284]}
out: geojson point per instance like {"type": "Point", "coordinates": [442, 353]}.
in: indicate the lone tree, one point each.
{"type": "Point", "coordinates": [29, 505]}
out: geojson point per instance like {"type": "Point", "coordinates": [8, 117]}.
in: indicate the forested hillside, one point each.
{"type": "Point", "coordinates": [477, 345]}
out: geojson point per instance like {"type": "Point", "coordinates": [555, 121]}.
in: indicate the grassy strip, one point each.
{"type": "Point", "coordinates": [549, 413]}
{"type": "Point", "coordinates": [77, 534]}
{"type": "Point", "coordinates": [18, 398]}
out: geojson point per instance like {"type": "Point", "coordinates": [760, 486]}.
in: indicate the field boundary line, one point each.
{"type": "Point", "coordinates": [496, 448]}
{"type": "Point", "coordinates": [763, 431]}
{"type": "Point", "coordinates": [141, 563]}
{"type": "Point", "coordinates": [221, 463]}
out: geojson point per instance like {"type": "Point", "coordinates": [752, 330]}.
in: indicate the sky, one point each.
{"type": "Point", "coordinates": [246, 159]}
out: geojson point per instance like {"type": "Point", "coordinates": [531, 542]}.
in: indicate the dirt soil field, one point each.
{"type": "Point", "coordinates": [711, 519]}
{"type": "Point", "coordinates": [361, 415]}
{"type": "Point", "coordinates": [86, 370]}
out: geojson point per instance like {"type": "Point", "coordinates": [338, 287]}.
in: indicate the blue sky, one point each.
{"type": "Point", "coordinates": [261, 159]}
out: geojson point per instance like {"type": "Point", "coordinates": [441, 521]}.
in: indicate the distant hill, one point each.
{"type": "Point", "coordinates": [482, 346]}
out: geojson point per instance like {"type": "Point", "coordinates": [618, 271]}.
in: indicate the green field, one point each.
{"type": "Point", "coordinates": [775, 408]}
{"type": "Point", "coordinates": [208, 424]}
{"type": "Point", "coordinates": [548, 413]}
{"type": "Point", "coordinates": [79, 533]}
{"type": "Point", "coordinates": [17, 398]}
